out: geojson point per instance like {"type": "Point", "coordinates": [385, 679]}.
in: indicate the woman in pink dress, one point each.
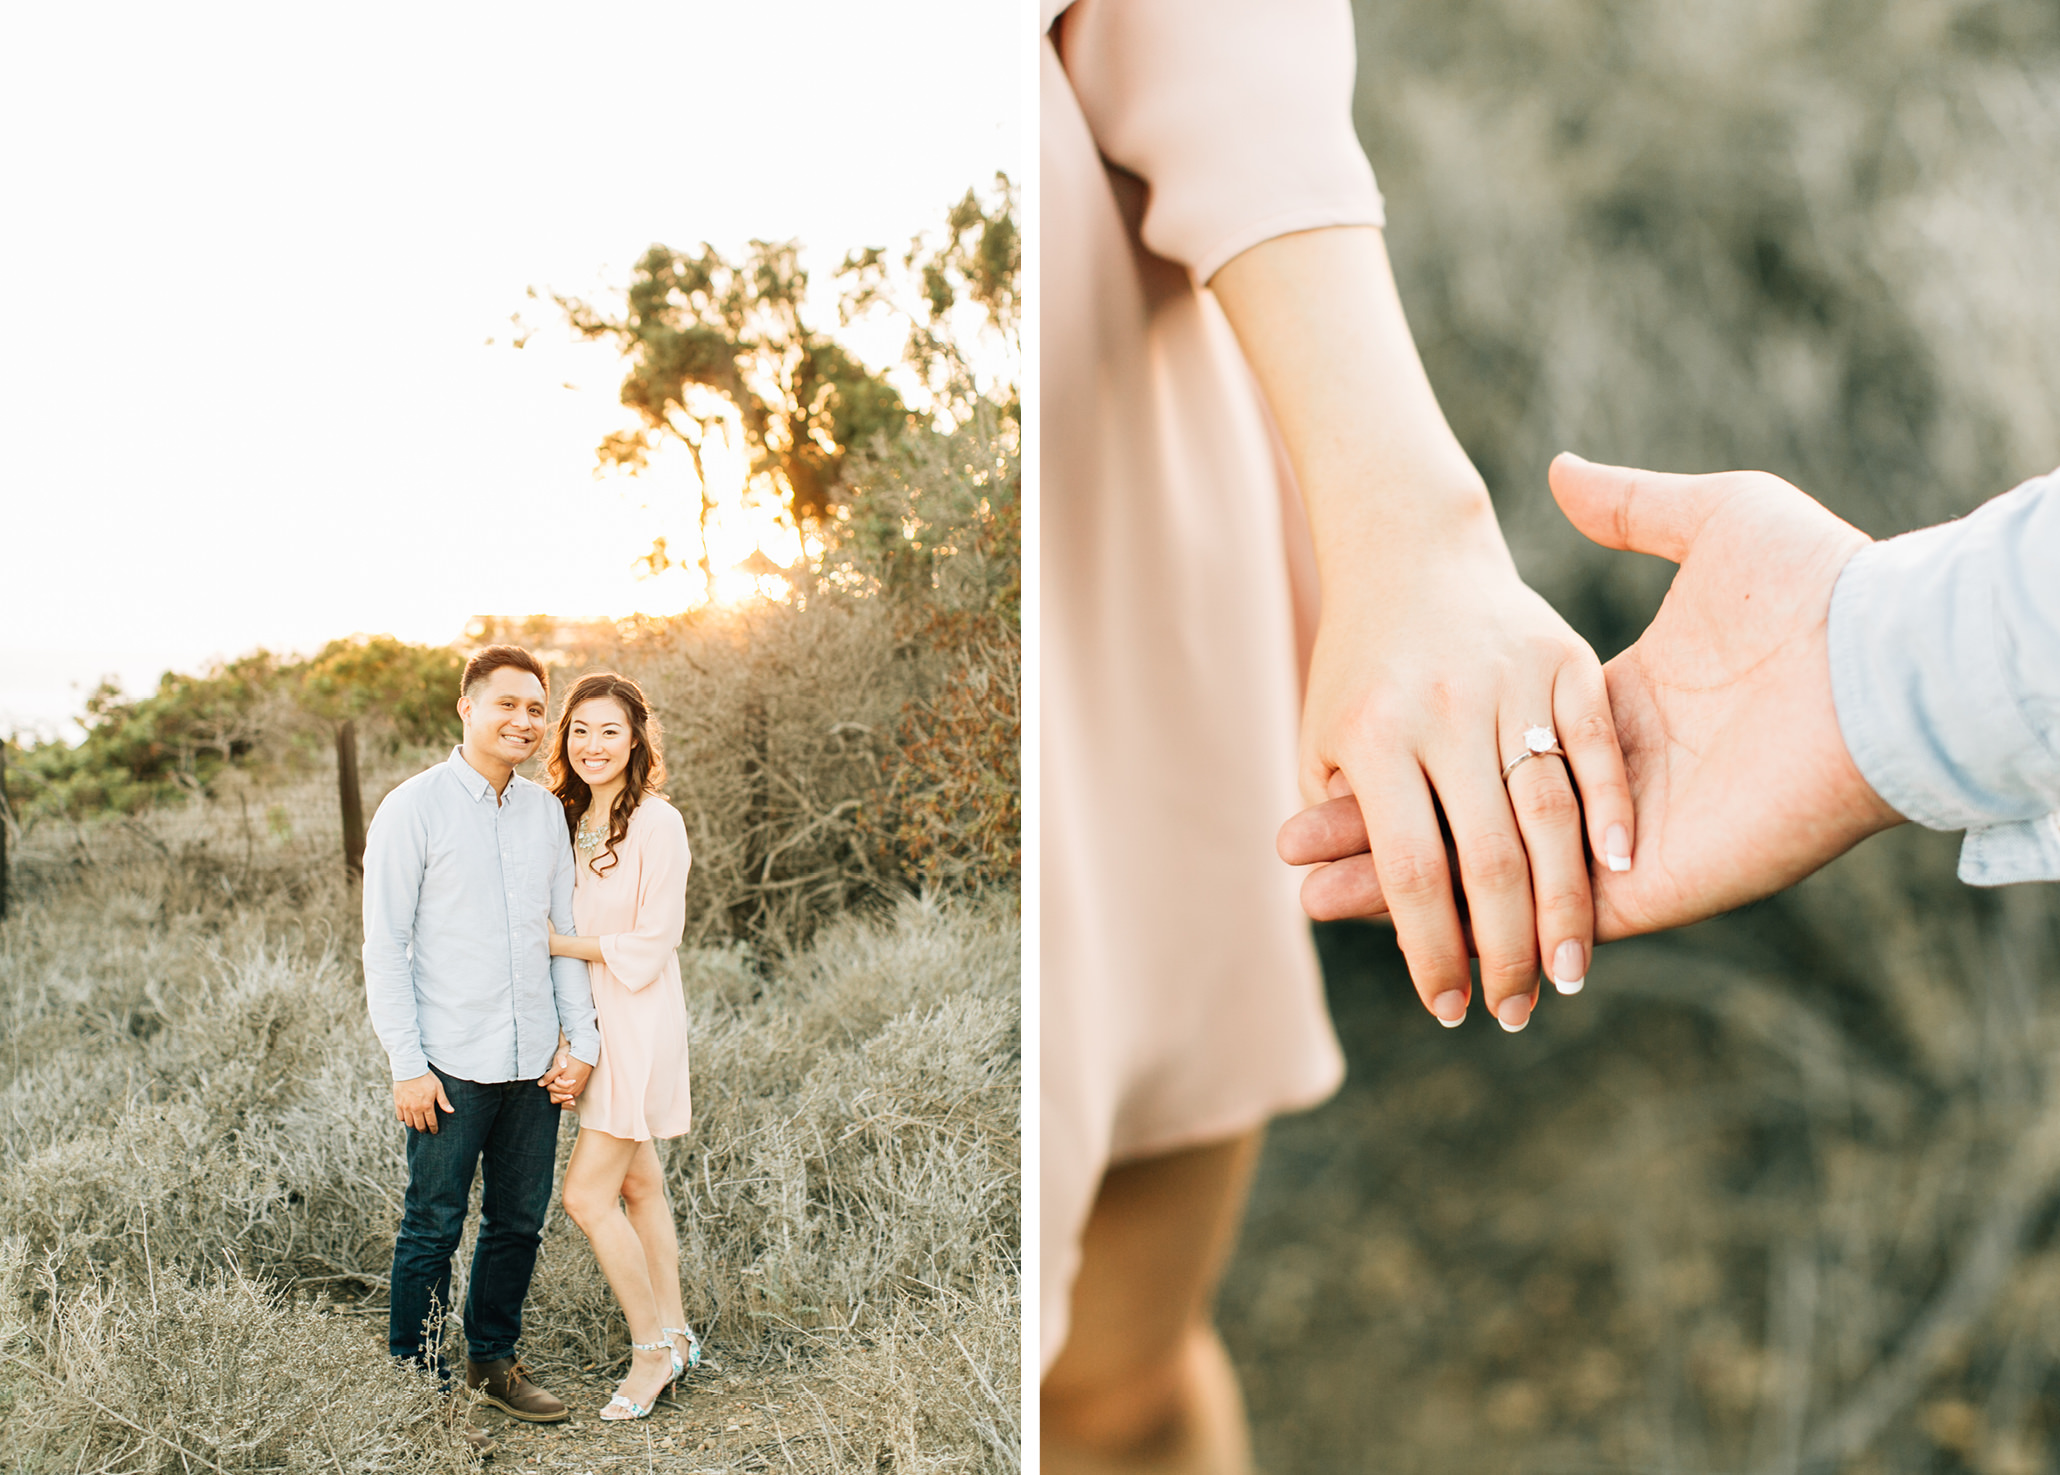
{"type": "Point", "coordinates": [1234, 417]}
{"type": "Point", "coordinates": [629, 903]}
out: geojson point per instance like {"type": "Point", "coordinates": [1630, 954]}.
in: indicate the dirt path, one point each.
{"type": "Point", "coordinates": [722, 1419]}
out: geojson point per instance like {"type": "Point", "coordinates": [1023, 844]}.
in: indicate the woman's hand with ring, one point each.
{"type": "Point", "coordinates": [1426, 681]}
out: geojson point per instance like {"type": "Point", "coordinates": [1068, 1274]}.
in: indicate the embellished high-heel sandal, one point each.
{"type": "Point", "coordinates": [693, 1348]}
{"type": "Point", "coordinates": [643, 1410]}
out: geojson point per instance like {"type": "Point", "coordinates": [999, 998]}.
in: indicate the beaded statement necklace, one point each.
{"type": "Point", "coordinates": [588, 841]}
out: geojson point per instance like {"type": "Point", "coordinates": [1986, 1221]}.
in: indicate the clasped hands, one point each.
{"type": "Point", "coordinates": [417, 1101]}
{"type": "Point", "coordinates": [1733, 778]}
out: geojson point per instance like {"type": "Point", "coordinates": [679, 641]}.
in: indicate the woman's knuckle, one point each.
{"type": "Point", "coordinates": [1589, 730]}
{"type": "Point", "coordinates": [1551, 803]}
{"type": "Point", "coordinates": [1412, 872]}
{"type": "Point", "coordinates": [1495, 860]}
{"type": "Point", "coordinates": [1564, 899]}
{"type": "Point", "coordinates": [1510, 970]}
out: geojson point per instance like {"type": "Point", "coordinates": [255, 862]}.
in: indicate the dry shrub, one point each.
{"type": "Point", "coordinates": [775, 717]}
{"type": "Point", "coordinates": [209, 1373]}
{"type": "Point", "coordinates": [833, 755]}
{"type": "Point", "coordinates": [934, 1374]}
{"type": "Point", "coordinates": [952, 805]}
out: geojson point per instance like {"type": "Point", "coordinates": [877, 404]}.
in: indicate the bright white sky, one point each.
{"type": "Point", "coordinates": [253, 254]}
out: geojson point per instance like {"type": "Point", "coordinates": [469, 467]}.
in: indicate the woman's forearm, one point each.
{"type": "Point", "coordinates": [586, 949]}
{"type": "Point", "coordinates": [1321, 324]}
{"type": "Point", "coordinates": [1434, 663]}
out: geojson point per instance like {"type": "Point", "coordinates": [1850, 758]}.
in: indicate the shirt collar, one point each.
{"type": "Point", "coordinates": [473, 780]}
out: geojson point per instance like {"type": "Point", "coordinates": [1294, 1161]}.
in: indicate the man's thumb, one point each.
{"type": "Point", "coordinates": [1637, 511]}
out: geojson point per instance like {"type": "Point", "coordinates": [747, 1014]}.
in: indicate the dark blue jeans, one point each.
{"type": "Point", "coordinates": [512, 1128]}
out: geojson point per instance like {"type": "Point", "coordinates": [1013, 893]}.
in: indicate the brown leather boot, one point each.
{"type": "Point", "coordinates": [503, 1384]}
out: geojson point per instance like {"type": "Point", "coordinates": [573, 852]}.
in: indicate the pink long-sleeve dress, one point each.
{"type": "Point", "coordinates": [1181, 1002]}
{"type": "Point", "coordinates": [637, 908]}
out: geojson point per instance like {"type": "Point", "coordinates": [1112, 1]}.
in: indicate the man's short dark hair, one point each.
{"type": "Point", "coordinates": [484, 663]}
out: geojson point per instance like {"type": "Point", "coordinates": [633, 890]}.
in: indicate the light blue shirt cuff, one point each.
{"type": "Point", "coordinates": [1945, 669]}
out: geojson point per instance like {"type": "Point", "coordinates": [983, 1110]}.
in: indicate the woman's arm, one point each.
{"type": "Point", "coordinates": [588, 949]}
{"type": "Point", "coordinates": [1433, 658]}
{"type": "Point", "coordinates": [637, 958]}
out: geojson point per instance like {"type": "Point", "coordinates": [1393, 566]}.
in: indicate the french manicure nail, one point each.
{"type": "Point", "coordinates": [1515, 1013]}
{"type": "Point", "coordinates": [1450, 1007]}
{"type": "Point", "coordinates": [1569, 968]}
{"type": "Point", "coordinates": [1616, 846]}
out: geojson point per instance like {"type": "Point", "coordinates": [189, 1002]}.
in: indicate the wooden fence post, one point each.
{"type": "Point", "coordinates": [352, 803]}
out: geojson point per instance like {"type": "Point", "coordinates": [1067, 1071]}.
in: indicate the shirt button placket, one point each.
{"type": "Point", "coordinates": [514, 993]}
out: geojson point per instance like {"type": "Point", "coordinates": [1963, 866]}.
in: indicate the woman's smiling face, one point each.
{"type": "Point", "coordinates": [598, 741]}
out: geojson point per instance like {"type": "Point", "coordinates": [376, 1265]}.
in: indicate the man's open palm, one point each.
{"type": "Point", "coordinates": [1741, 779]}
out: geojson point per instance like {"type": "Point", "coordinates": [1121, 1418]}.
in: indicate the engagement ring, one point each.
{"type": "Point", "coordinates": [1538, 742]}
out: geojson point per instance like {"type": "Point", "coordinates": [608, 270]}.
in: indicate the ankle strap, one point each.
{"type": "Point", "coordinates": [652, 1346]}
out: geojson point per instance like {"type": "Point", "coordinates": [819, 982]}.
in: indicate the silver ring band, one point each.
{"type": "Point", "coordinates": [1510, 767]}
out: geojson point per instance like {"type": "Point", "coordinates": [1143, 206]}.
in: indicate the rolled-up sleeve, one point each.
{"type": "Point", "coordinates": [570, 985]}
{"type": "Point", "coordinates": [637, 958]}
{"type": "Point", "coordinates": [1945, 668]}
{"type": "Point", "coordinates": [396, 849]}
{"type": "Point", "coordinates": [1237, 115]}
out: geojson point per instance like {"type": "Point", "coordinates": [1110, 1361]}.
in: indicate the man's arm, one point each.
{"type": "Point", "coordinates": [396, 854]}
{"type": "Point", "coordinates": [573, 990]}
{"type": "Point", "coordinates": [1945, 664]}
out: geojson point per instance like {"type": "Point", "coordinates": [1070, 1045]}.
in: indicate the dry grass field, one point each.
{"type": "Point", "coordinates": [201, 1178]}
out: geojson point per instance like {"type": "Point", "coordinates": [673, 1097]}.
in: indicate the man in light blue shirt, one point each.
{"type": "Point", "coordinates": [467, 867]}
{"type": "Point", "coordinates": [1801, 688]}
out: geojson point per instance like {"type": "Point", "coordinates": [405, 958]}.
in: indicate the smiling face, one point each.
{"type": "Point", "coordinates": [598, 741]}
{"type": "Point", "coordinates": [504, 719]}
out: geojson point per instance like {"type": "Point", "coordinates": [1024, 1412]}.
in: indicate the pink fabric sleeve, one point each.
{"type": "Point", "coordinates": [637, 958]}
{"type": "Point", "coordinates": [1237, 114]}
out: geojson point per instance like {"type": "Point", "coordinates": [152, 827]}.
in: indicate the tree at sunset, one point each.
{"type": "Point", "coordinates": [725, 351]}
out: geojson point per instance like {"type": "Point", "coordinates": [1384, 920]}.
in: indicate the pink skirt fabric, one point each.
{"type": "Point", "coordinates": [1181, 1001]}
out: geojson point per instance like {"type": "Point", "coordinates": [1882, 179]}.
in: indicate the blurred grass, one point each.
{"type": "Point", "coordinates": [1776, 1193]}
{"type": "Point", "coordinates": [1735, 1207]}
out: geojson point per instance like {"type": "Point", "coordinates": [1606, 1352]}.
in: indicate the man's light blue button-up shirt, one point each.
{"type": "Point", "coordinates": [457, 954]}
{"type": "Point", "coordinates": [1945, 667]}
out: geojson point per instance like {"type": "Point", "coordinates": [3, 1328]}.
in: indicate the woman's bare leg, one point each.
{"type": "Point", "coordinates": [594, 1181]}
{"type": "Point", "coordinates": [1143, 1383]}
{"type": "Point", "coordinates": [650, 1215]}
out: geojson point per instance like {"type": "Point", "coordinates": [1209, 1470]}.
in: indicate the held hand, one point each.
{"type": "Point", "coordinates": [1742, 779]}
{"type": "Point", "coordinates": [417, 1101]}
{"type": "Point", "coordinates": [1424, 682]}
{"type": "Point", "coordinates": [565, 1079]}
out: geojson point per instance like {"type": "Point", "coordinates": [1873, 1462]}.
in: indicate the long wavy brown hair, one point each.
{"type": "Point", "coordinates": [644, 775]}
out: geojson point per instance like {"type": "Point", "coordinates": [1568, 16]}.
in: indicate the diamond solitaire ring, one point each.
{"type": "Point", "coordinates": [1538, 743]}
